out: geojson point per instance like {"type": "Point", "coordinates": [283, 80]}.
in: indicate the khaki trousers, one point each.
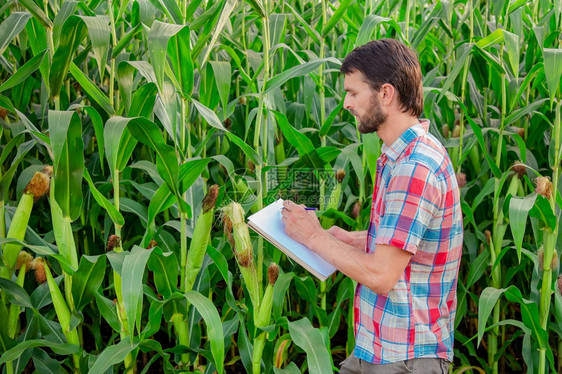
{"type": "Point", "coordinates": [354, 365]}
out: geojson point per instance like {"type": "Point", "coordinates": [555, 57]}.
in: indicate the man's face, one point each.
{"type": "Point", "coordinates": [363, 103]}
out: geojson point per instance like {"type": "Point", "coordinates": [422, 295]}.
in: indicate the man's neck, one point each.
{"type": "Point", "coordinates": [394, 126]}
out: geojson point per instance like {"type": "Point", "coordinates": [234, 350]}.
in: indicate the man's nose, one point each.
{"type": "Point", "coordinates": [347, 103]}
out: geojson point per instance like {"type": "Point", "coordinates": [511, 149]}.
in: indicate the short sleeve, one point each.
{"type": "Point", "coordinates": [412, 200]}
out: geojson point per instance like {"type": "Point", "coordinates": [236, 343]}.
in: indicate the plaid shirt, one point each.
{"type": "Point", "coordinates": [415, 207]}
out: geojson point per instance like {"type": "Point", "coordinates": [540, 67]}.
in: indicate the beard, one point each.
{"type": "Point", "coordinates": [374, 117]}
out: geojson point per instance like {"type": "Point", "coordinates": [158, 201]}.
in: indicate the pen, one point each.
{"type": "Point", "coordinates": [306, 208]}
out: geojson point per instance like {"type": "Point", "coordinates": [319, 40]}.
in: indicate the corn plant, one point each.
{"type": "Point", "coordinates": [156, 116]}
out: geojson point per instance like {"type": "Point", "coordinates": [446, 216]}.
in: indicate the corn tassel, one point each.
{"type": "Point", "coordinates": [263, 318]}
{"type": "Point", "coordinates": [238, 235]}
{"type": "Point", "coordinates": [201, 235]}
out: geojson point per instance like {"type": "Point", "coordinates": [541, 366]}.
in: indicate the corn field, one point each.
{"type": "Point", "coordinates": [137, 136]}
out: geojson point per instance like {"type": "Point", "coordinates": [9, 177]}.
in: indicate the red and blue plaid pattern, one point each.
{"type": "Point", "coordinates": [416, 207]}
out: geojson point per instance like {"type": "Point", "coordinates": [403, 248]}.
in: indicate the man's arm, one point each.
{"type": "Point", "coordinates": [378, 271]}
{"type": "Point", "coordinates": [356, 239]}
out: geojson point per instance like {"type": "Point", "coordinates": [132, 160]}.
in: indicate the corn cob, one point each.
{"type": "Point", "coordinates": [201, 235]}
{"type": "Point", "coordinates": [237, 233]}
{"type": "Point", "coordinates": [180, 326]}
{"type": "Point", "coordinates": [61, 309]}
{"type": "Point", "coordinates": [263, 318]}
{"type": "Point", "coordinates": [36, 188]}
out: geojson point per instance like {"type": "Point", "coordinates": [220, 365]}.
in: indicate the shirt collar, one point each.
{"type": "Point", "coordinates": [393, 151]}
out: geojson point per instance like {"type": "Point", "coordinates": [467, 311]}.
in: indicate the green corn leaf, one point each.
{"type": "Point", "coordinates": [8, 175]}
{"type": "Point", "coordinates": [459, 64]}
{"type": "Point", "coordinates": [338, 14]}
{"type": "Point", "coordinates": [11, 27]}
{"type": "Point", "coordinates": [126, 40]}
{"type": "Point", "coordinates": [488, 298]}
{"type": "Point", "coordinates": [310, 340]}
{"type": "Point", "coordinates": [525, 84]}
{"type": "Point", "coordinates": [99, 31]}
{"type": "Point", "coordinates": [257, 5]}
{"type": "Point", "coordinates": [116, 217]}
{"type": "Point", "coordinates": [191, 8]}
{"type": "Point", "coordinates": [477, 268]}
{"type": "Point", "coordinates": [276, 28]}
{"type": "Point", "coordinates": [41, 297]}
{"type": "Point", "coordinates": [131, 277]}
{"type": "Point", "coordinates": [43, 363]}
{"type": "Point", "coordinates": [112, 355]}
{"type": "Point", "coordinates": [67, 9]}
{"type": "Point", "coordinates": [518, 211]}
{"type": "Point", "coordinates": [512, 47]}
{"type": "Point", "coordinates": [6, 103]}
{"type": "Point", "coordinates": [312, 33]}
{"type": "Point", "coordinates": [64, 238]}
{"type": "Point", "coordinates": [87, 279]}
{"type": "Point", "coordinates": [36, 12]}
{"type": "Point", "coordinates": [16, 294]}
{"type": "Point", "coordinates": [158, 39]}
{"type": "Point", "coordinates": [208, 115]}
{"type": "Point", "coordinates": [292, 368]}
{"type": "Point", "coordinates": [162, 200]}
{"type": "Point", "coordinates": [165, 267]}
{"type": "Point", "coordinates": [248, 151]}
{"type": "Point", "coordinates": [38, 41]}
{"type": "Point", "coordinates": [142, 104]}
{"type": "Point", "coordinates": [213, 322]}
{"type": "Point", "coordinates": [65, 129]}
{"type": "Point", "coordinates": [125, 76]}
{"type": "Point", "coordinates": [300, 141]}
{"type": "Point", "coordinates": [223, 78]}
{"type": "Point", "coordinates": [297, 71]}
{"type": "Point", "coordinates": [279, 292]}
{"type": "Point", "coordinates": [491, 39]}
{"type": "Point", "coordinates": [97, 123]}
{"type": "Point", "coordinates": [543, 212]}
{"type": "Point", "coordinates": [23, 72]}
{"type": "Point", "coordinates": [119, 144]}
{"type": "Point", "coordinates": [229, 6]}
{"type": "Point", "coordinates": [108, 311]}
{"type": "Point", "coordinates": [58, 348]}
{"type": "Point", "coordinates": [132, 206]}
{"type": "Point", "coordinates": [520, 113]}
{"type": "Point", "coordinates": [422, 32]}
{"type": "Point", "coordinates": [553, 70]}
{"type": "Point", "coordinates": [179, 52]}
{"type": "Point", "coordinates": [72, 34]}
{"type": "Point", "coordinates": [148, 133]}
{"type": "Point", "coordinates": [91, 89]}
{"type": "Point", "coordinates": [170, 8]}
{"type": "Point", "coordinates": [370, 24]}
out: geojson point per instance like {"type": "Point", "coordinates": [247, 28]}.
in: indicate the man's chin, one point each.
{"type": "Point", "coordinates": [366, 130]}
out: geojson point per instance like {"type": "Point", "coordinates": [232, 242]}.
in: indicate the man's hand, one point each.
{"type": "Point", "coordinates": [300, 224]}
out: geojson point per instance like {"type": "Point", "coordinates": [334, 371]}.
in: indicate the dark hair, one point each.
{"type": "Point", "coordinates": [389, 61]}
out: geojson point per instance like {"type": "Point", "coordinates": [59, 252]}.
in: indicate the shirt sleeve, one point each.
{"type": "Point", "coordinates": [413, 198]}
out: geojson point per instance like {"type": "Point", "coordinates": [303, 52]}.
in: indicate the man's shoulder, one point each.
{"type": "Point", "coordinates": [429, 152]}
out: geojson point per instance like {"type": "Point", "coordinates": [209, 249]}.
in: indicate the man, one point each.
{"type": "Point", "coordinates": [406, 264]}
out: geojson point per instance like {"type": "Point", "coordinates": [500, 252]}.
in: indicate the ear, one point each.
{"type": "Point", "coordinates": [387, 94]}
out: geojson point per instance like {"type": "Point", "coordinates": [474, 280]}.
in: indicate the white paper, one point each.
{"type": "Point", "coordinates": [269, 220]}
